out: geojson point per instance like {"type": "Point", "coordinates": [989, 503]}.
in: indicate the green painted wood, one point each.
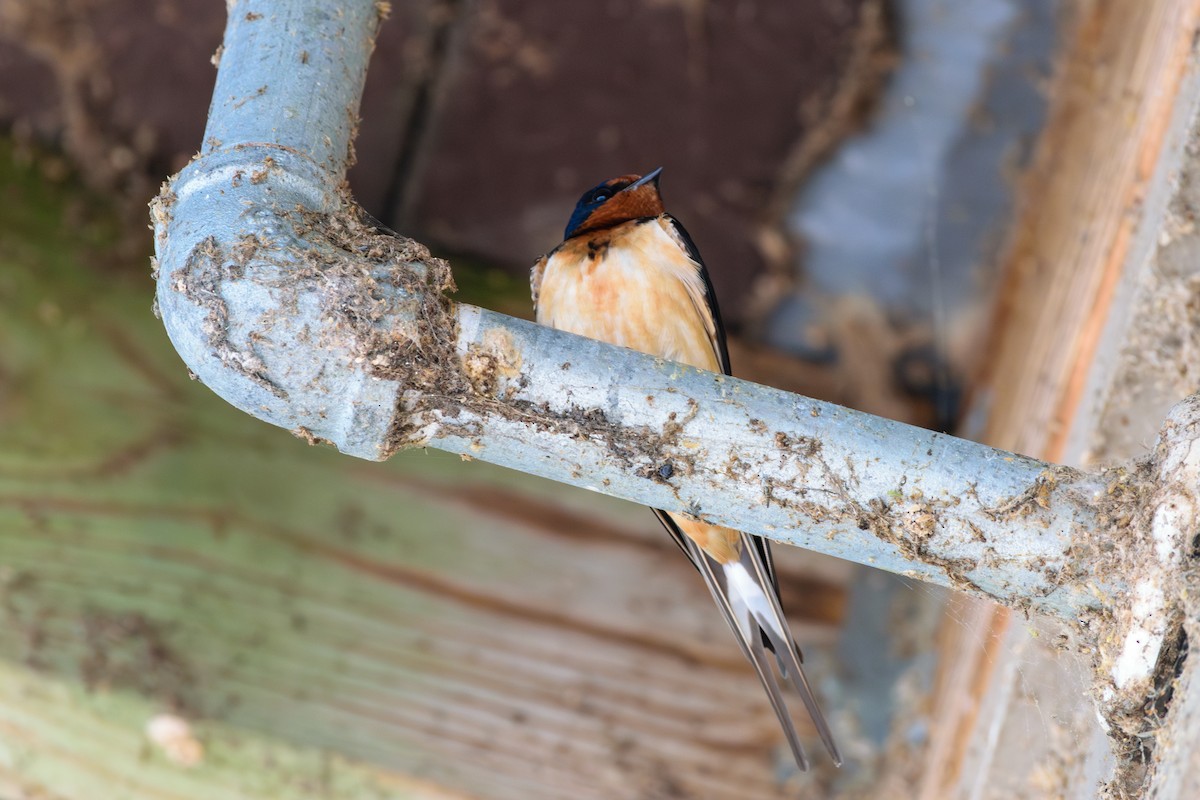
{"type": "Point", "coordinates": [328, 627]}
{"type": "Point", "coordinates": [58, 740]}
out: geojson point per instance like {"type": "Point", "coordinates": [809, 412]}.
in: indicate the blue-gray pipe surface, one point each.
{"type": "Point", "coordinates": [282, 300]}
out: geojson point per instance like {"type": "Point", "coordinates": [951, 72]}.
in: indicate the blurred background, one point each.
{"type": "Point", "coordinates": [193, 604]}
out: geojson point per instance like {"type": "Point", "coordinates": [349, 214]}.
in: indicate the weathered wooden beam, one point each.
{"type": "Point", "coordinates": [1115, 96]}
{"type": "Point", "coordinates": [1071, 334]}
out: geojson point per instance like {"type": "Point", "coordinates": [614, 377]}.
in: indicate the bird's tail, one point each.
{"type": "Point", "coordinates": [747, 598]}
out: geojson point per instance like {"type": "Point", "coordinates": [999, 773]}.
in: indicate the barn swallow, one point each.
{"type": "Point", "coordinates": [629, 274]}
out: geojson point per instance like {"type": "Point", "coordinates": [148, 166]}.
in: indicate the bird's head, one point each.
{"type": "Point", "coordinates": [616, 201]}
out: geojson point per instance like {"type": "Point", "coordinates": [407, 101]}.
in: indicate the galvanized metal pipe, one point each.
{"type": "Point", "coordinates": [229, 227]}
{"type": "Point", "coordinates": [282, 301]}
{"type": "Point", "coordinates": [797, 470]}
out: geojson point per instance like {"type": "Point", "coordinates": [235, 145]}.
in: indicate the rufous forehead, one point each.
{"type": "Point", "coordinates": [626, 179]}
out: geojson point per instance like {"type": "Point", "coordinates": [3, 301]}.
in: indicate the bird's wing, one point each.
{"type": "Point", "coordinates": [535, 278]}
{"type": "Point", "coordinates": [752, 607]}
{"type": "Point", "coordinates": [706, 306]}
{"type": "Point", "coordinates": [710, 312]}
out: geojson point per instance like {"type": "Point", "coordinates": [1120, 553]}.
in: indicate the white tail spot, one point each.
{"type": "Point", "coordinates": [749, 600]}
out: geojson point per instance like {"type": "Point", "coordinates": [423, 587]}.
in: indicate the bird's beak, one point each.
{"type": "Point", "coordinates": [649, 177]}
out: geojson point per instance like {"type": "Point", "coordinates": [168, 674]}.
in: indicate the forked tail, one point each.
{"type": "Point", "coordinates": [746, 595]}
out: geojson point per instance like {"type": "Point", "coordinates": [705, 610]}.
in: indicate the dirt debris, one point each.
{"type": "Point", "coordinates": [361, 295]}
{"type": "Point", "coordinates": [313, 440]}
{"type": "Point", "coordinates": [1035, 496]}
{"type": "Point", "coordinates": [199, 280]}
{"type": "Point", "coordinates": [491, 360]}
{"type": "Point", "coordinates": [1135, 713]}
{"type": "Point", "coordinates": [127, 650]}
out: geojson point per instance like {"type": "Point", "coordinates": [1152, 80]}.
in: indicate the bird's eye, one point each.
{"type": "Point", "coordinates": [600, 197]}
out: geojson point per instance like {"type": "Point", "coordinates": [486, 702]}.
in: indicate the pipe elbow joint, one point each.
{"type": "Point", "coordinates": [285, 302]}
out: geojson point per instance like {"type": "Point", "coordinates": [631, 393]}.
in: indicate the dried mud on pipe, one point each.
{"type": "Point", "coordinates": [387, 279]}
{"type": "Point", "coordinates": [199, 280]}
{"type": "Point", "coordinates": [1123, 544]}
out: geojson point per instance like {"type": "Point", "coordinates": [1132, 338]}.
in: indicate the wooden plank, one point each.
{"type": "Point", "coordinates": [1112, 103]}
{"type": "Point", "coordinates": [82, 743]}
{"type": "Point", "coordinates": [1112, 106]}
{"type": "Point", "coordinates": [423, 628]}
{"type": "Point", "coordinates": [1153, 340]}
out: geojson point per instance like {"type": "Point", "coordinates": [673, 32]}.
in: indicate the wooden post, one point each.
{"type": "Point", "coordinates": [1093, 210]}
